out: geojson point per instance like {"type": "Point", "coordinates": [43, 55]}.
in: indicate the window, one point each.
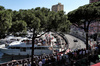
{"type": "Point", "coordinates": [12, 47]}
{"type": "Point", "coordinates": [41, 48]}
{"type": "Point", "coordinates": [17, 47]}
{"type": "Point", "coordinates": [37, 48]}
{"type": "Point", "coordinates": [24, 41]}
{"type": "Point", "coordinates": [28, 48]}
{"type": "Point", "coordinates": [44, 47]}
{"type": "Point", "coordinates": [23, 49]}
{"type": "Point", "coordinates": [27, 41]}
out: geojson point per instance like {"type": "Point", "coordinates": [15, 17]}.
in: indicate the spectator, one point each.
{"type": "Point", "coordinates": [40, 62]}
{"type": "Point", "coordinates": [29, 64]}
{"type": "Point", "coordinates": [34, 64]}
{"type": "Point", "coordinates": [43, 61]}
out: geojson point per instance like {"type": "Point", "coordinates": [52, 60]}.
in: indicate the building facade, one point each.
{"type": "Point", "coordinates": [94, 28]}
{"type": "Point", "coordinates": [58, 7]}
{"type": "Point", "coordinates": [91, 1]}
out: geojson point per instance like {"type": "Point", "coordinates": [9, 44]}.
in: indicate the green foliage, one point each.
{"type": "Point", "coordinates": [35, 23]}
{"type": "Point", "coordinates": [84, 15]}
{"type": "Point", "coordinates": [58, 22]}
{"type": "Point", "coordinates": [50, 20]}
{"type": "Point", "coordinates": [5, 21]}
{"type": "Point", "coordinates": [18, 26]}
{"type": "Point", "coordinates": [64, 23]}
{"type": "Point", "coordinates": [15, 16]}
{"type": "Point", "coordinates": [2, 8]}
{"type": "Point", "coordinates": [40, 19]}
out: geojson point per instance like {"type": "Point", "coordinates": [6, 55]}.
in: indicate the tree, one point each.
{"type": "Point", "coordinates": [84, 15]}
{"type": "Point", "coordinates": [5, 22]}
{"type": "Point", "coordinates": [42, 13]}
{"type": "Point", "coordinates": [63, 22]}
{"type": "Point", "coordinates": [38, 19]}
{"type": "Point", "coordinates": [28, 16]}
{"type": "Point", "coordinates": [35, 20]}
{"type": "Point", "coordinates": [15, 16]}
{"type": "Point", "coordinates": [2, 8]}
{"type": "Point", "coordinates": [35, 25]}
{"type": "Point", "coordinates": [18, 27]}
{"type": "Point", "coordinates": [58, 22]}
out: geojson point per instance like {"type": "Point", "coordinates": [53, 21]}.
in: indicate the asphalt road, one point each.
{"type": "Point", "coordinates": [75, 45]}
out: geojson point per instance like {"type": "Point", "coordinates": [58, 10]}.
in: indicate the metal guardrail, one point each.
{"type": "Point", "coordinates": [58, 63]}
{"type": "Point", "coordinates": [16, 62]}
{"type": "Point", "coordinates": [83, 39]}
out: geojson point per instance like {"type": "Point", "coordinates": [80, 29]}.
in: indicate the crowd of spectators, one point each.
{"type": "Point", "coordinates": [72, 58]}
{"type": "Point", "coordinates": [62, 59]}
